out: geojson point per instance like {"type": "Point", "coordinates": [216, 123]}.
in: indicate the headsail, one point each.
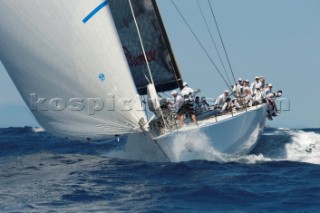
{"type": "Point", "coordinates": [164, 70]}
{"type": "Point", "coordinates": [67, 61]}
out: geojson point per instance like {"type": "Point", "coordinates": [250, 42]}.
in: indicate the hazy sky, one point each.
{"type": "Point", "coordinates": [279, 39]}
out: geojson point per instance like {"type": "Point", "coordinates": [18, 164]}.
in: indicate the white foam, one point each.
{"type": "Point", "coordinates": [305, 147]}
{"type": "Point", "coordinates": [187, 147]}
{"type": "Point", "coordinates": [37, 129]}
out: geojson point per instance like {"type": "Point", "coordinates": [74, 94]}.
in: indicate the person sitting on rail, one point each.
{"type": "Point", "coordinates": [246, 99]}
{"type": "Point", "coordinates": [256, 83]}
{"type": "Point", "coordinates": [204, 102]}
{"type": "Point", "coordinates": [236, 89]}
{"type": "Point", "coordinates": [220, 101]}
{"type": "Point", "coordinates": [272, 107]}
{"type": "Point", "coordinates": [227, 106]}
{"type": "Point", "coordinates": [258, 97]}
{"type": "Point", "coordinates": [244, 87]}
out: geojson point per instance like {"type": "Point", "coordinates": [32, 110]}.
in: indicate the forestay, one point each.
{"type": "Point", "coordinates": [66, 60]}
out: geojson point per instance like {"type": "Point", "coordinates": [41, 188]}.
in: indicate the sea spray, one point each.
{"type": "Point", "coordinates": [305, 147]}
{"type": "Point", "coordinates": [275, 145]}
{"type": "Point", "coordinates": [194, 146]}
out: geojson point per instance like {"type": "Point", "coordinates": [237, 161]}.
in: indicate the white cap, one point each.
{"type": "Point", "coordinates": [226, 91]}
{"type": "Point", "coordinates": [269, 85]}
{"type": "Point", "coordinates": [240, 79]}
{"type": "Point", "coordinates": [174, 93]}
{"type": "Point", "coordinates": [185, 84]}
{"type": "Point", "coordinates": [257, 77]}
{"type": "Point", "coordinates": [247, 80]}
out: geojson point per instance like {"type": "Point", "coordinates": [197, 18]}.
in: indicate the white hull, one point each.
{"type": "Point", "coordinates": [235, 134]}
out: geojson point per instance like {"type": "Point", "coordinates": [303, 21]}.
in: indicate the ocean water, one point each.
{"type": "Point", "coordinates": [42, 173]}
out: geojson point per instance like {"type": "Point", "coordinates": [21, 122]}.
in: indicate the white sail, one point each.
{"type": "Point", "coordinates": [66, 60]}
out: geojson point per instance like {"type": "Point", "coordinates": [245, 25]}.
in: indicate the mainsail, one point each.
{"type": "Point", "coordinates": [67, 61]}
{"type": "Point", "coordinates": [159, 55]}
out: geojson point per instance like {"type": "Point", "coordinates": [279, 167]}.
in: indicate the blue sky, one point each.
{"type": "Point", "coordinates": [279, 39]}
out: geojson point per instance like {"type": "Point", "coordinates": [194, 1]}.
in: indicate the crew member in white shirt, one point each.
{"type": "Point", "coordinates": [221, 99]}
{"type": "Point", "coordinates": [255, 84]}
{"type": "Point", "coordinates": [247, 98]}
{"type": "Point", "coordinates": [244, 87]}
{"type": "Point", "coordinates": [188, 107]}
{"type": "Point", "coordinates": [236, 89]}
{"type": "Point", "coordinates": [177, 101]}
{"type": "Point", "coordinates": [258, 97]}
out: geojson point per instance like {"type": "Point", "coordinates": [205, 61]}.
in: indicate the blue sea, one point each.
{"type": "Point", "coordinates": [42, 173]}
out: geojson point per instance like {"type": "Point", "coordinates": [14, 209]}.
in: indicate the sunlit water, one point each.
{"type": "Point", "coordinates": [42, 173]}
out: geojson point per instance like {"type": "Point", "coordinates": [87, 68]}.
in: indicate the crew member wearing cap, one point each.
{"type": "Point", "coordinates": [177, 104]}
{"type": "Point", "coordinates": [256, 83]}
{"type": "Point", "coordinates": [221, 100]}
{"type": "Point", "coordinates": [268, 91]}
{"type": "Point", "coordinates": [258, 97]}
{"type": "Point", "coordinates": [178, 101]}
{"type": "Point", "coordinates": [244, 101]}
{"type": "Point", "coordinates": [244, 87]}
{"type": "Point", "coordinates": [262, 82]}
{"type": "Point", "coordinates": [270, 97]}
{"type": "Point", "coordinates": [188, 107]}
{"type": "Point", "coordinates": [186, 90]}
{"type": "Point", "coordinates": [204, 102]}
{"type": "Point", "coordinates": [236, 89]}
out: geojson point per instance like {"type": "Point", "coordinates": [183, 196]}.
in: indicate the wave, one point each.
{"type": "Point", "coordinates": [290, 145]}
{"type": "Point", "coordinates": [16, 131]}
{"type": "Point", "coordinates": [276, 144]}
{"type": "Point", "coordinates": [305, 147]}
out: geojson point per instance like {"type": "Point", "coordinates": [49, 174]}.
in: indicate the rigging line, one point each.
{"type": "Point", "coordinates": [166, 156]}
{"type": "Point", "coordinates": [141, 42]}
{"type": "Point", "coordinates": [212, 39]}
{"type": "Point", "coordinates": [225, 51]}
{"type": "Point", "coordinates": [200, 44]}
{"type": "Point", "coordinates": [144, 53]}
{"type": "Point", "coordinates": [168, 96]}
{"type": "Point", "coordinates": [173, 63]}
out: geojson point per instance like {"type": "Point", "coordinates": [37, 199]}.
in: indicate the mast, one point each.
{"type": "Point", "coordinates": [167, 41]}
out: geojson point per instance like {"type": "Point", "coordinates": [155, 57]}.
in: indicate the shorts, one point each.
{"type": "Point", "coordinates": [187, 108]}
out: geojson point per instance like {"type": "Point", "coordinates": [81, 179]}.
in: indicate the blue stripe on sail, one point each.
{"type": "Point", "coordinates": [88, 17]}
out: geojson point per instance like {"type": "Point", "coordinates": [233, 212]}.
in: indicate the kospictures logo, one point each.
{"type": "Point", "coordinates": [90, 105]}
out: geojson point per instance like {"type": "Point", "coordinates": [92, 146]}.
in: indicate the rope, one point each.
{"type": "Point", "coordinates": [225, 51]}
{"type": "Point", "coordinates": [144, 53]}
{"type": "Point", "coordinates": [141, 43]}
{"type": "Point", "coordinates": [214, 43]}
{"type": "Point", "coordinates": [200, 43]}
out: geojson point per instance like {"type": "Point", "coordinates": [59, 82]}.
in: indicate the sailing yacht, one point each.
{"type": "Point", "coordinates": [85, 68]}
